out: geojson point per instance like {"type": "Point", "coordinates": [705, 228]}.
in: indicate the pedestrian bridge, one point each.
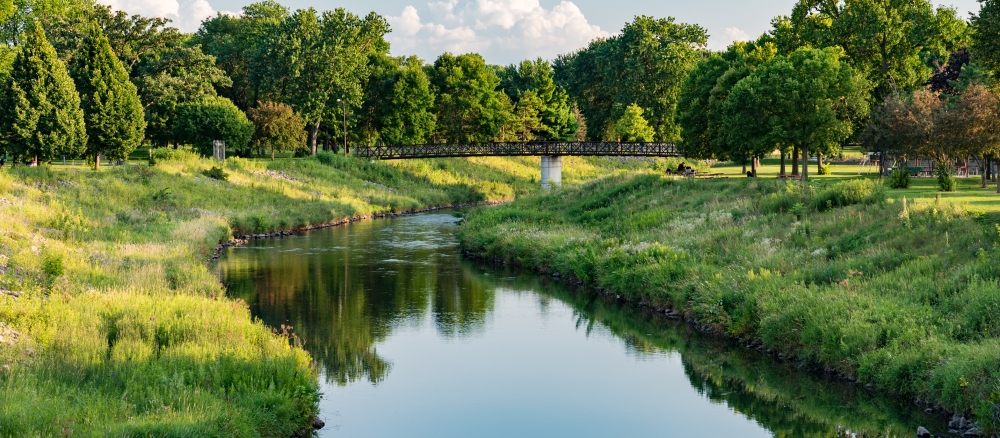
{"type": "Point", "coordinates": [550, 151]}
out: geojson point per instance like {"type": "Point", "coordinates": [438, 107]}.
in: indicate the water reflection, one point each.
{"type": "Point", "coordinates": [497, 343]}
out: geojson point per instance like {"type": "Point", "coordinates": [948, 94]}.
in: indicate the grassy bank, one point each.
{"type": "Point", "coordinates": [902, 296]}
{"type": "Point", "coordinates": [111, 321]}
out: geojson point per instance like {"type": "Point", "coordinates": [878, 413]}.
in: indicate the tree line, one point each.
{"type": "Point", "coordinates": [899, 77]}
{"type": "Point", "coordinates": [273, 79]}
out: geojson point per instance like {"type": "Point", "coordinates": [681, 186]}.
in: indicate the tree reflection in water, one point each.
{"type": "Point", "coordinates": [345, 290]}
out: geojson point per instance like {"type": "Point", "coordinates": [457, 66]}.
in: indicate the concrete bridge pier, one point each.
{"type": "Point", "coordinates": [551, 170]}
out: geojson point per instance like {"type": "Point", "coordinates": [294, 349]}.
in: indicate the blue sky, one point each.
{"type": "Point", "coordinates": [506, 31]}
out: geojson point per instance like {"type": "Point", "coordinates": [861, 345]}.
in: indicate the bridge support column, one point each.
{"type": "Point", "coordinates": [551, 170]}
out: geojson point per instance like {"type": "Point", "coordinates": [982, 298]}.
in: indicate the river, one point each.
{"type": "Point", "coordinates": [413, 340]}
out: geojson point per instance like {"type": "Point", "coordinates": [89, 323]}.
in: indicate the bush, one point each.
{"type": "Point", "coordinates": [900, 179]}
{"type": "Point", "coordinates": [168, 154]}
{"type": "Point", "coordinates": [216, 173]}
{"type": "Point", "coordinates": [212, 118]}
{"type": "Point", "coordinates": [824, 169]}
{"type": "Point", "coordinates": [844, 193]}
{"type": "Point", "coordinates": [946, 182]}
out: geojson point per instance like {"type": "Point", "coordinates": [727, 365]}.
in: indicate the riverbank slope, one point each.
{"type": "Point", "coordinates": [111, 321]}
{"type": "Point", "coordinates": [841, 275]}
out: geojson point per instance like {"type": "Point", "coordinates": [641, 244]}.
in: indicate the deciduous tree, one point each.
{"type": "Point", "coordinates": [276, 127]}
{"type": "Point", "coordinates": [212, 118]}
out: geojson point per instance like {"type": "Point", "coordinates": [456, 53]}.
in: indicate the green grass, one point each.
{"type": "Point", "coordinates": [112, 323]}
{"type": "Point", "coordinates": [903, 296]}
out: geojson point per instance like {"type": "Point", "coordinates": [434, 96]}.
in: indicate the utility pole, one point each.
{"type": "Point", "coordinates": [347, 149]}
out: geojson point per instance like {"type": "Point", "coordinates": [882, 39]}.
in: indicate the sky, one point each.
{"type": "Point", "coordinates": [507, 31]}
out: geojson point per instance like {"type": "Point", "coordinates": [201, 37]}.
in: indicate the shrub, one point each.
{"type": "Point", "coordinates": [946, 182]}
{"type": "Point", "coordinates": [824, 169]}
{"type": "Point", "coordinates": [777, 203]}
{"type": "Point", "coordinates": [168, 154]}
{"type": "Point", "coordinates": [849, 192]}
{"type": "Point", "coordinates": [216, 173]}
{"type": "Point", "coordinates": [900, 179]}
{"type": "Point", "coordinates": [327, 158]}
{"type": "Point", "coordinates": [52, 266]}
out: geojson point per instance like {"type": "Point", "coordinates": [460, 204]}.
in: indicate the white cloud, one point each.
{"type": "Point", "coordinates": [732, 34]}
{"type": "Point", "coordinates": [185, 14]}
{"type": "Point", "coordinates": [503, 31]}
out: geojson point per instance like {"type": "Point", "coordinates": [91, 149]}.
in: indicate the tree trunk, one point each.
{"type": "Point", "coordinates": [313, 133]}
{"type": "Point", "coordinates": [744, 168]}
{"type": "Point", "coordinates": [819, 163]}
{"type": "Point", "coordinates": [97, 160]}
{"type": "Point", "coordinates": [753, 167]}
{"type": "Point", "coordinates": [782, 173]}
{"type": "Point", "coordinates": [795, 161]}
{"type": "Point", "coordinates": [805, 162]}
{"type": "Point", "coordinates": [272, 152]}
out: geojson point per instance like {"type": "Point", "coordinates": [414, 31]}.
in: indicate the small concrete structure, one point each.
{"type": "Point", "coordinates": [551, 170]}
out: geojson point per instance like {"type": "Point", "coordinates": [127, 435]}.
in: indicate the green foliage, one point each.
{"type": "Point", "coordinates": [892, 44]}
{"type": "Point", "coordinates": [399, 103]}
{"type": "Point", "coordinates": [809, 99]}
{"type": "Point", "coordinates": [42, 117]}
{"type": "Point", "coordinates": [309, 60]}
{"type": "Point", "coordinates": [632, 126]}
{"type": "Point", "coordinates": [646, 65]}
{"type": "Point", "coordinates": [899, 179]}
{"type": "Point", "coordinates": [111, 107]}
{"type": "Point", "coordinates": [535, 80]}
{"type": "Point", "coordinates": [985, 47]}
{"type": "Point", "coordinates": [216, 173]}
{"type": "Point", "coordinates": [172, 77]}
{"type": "Point", "coordinates": [469, 107]}
{"type": "Point", "coordinates": [276, 127]}
{"type": "Point", "coordinates": [212, 118]}
{"type": "Point", "coordinates": [945, 176]}
{"type": "Point", "coordinates": [52, 266]}
{"type": "Point", "coordinates": [702, 114]}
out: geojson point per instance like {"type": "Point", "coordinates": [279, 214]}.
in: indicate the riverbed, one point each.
{"type": "Point", "coordinates": [413, 340]}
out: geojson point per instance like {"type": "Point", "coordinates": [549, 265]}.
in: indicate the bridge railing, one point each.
{"type": "Point", "coordinates": [532, 148]}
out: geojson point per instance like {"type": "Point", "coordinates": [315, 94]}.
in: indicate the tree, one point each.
{"type": "Point", "coordinates": [528, 116]}
{"type": "Point", "coordinates": [213, 118]}
{"type": "Point", "coordinates": [409, 116]}
{"type": "Point", "coordinates": [697, 132]}
{"type": "Point", "coordinates": [985, 47]}
{"type": "Point", "coordinates": [808, 99]}
{"type": "Point", "coordinates": [42, 118]}
{"type": "Point", "coordinates": [276, 127]}
{"type": "Point", "coordinates": [310, 60]}
{"type": "Point", "coordinates": [556, 121]}
{"type": "Point", "coordinates": [170, 77]}
{"type": "Point", "coordinates": [701, 113]}
{"type": "Point", "coordinates": [131, 37]}
{"type": "Point", "coordinates": [632, 126]}
{"type": "Point", "coordinates": [111, 107]}
{"type": "Point", "coordinates": [884, 39]}
{"type": "Point", "coordinates": [646, 64]}
{"type": "Point", "coordinates": [233, 42]}
{"type": "Point", "coordinates": [469, 107]}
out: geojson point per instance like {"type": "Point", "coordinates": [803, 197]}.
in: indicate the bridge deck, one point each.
{"type": "Point", "coordinates": [508, 149]}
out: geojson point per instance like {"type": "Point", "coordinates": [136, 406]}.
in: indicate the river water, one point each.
{"type": "Point", "coordinates": [413, 340]}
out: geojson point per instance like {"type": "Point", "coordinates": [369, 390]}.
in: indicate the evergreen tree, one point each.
{"type": "Point", "coordinates": [113, 113]}
{"type": "Point", "coordinates": [41, 117]}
